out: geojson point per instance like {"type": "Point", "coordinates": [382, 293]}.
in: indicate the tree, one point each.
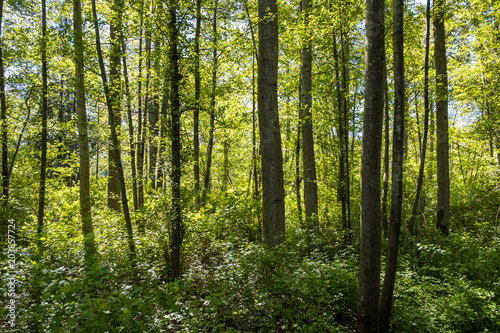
{"type": "Point", "coordinates": [3, 118]}
{"type": "Point", "coordinates": [273, 196]}
{"type": "Point", "coordinates": [397, 165]}
{"type": "Point", "coordinates": [43, 160]}
{"type": "Point", "coordinates": [196, 116]}
{"type": "Point", "coordinates": [411, 224]}
{"type": "Point", "coordinates": [370, 233]}
{"type": "Point", "coordinates": [114, 136]}
{"type": "Point", "coordinates": [175, 116]}
{"type": "Point", "coordinates": [442, 144]}
{"type": "Point", "coordinates": [83, 138]}
{"type": "Point", "coordinates": [308, 161]}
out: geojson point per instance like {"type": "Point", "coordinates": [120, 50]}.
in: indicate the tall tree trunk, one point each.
{"type": "Point", "coordinates": [442, 144]}
{"type": "Point", "coordinates": [411, 224]}
{"type": "Point", "coordinates": [128, 98]}
{"type": "Point", "coordinates": [297, 174]}
{"type": "Point", "coordinates": [3, 112]}
{"type": "Point", "coordinates": [43, 160]}
{"type": "Point", "coordinates": [114, 136]}
{"type": "Point", "coordinates": [175, 115]}
{"type": "Point", "coordinates": [345, 103]}
{"type": "Point", "coordinates": [140, 141]}
{"type": "Point", "coordinates": [206, 181]}
{"type": "Point", "coordinates": [385, 186]}
{"type": "Point", "coordinates": [370, 233]}
{"type": "Point", "coordinates": [83, 138]}
{"type": "Point", "coordinates": [308, 161]}
{"type": "Point", "coordinates": [340, 133]}
{"type": "Point", "coordinates": [115, 111]}
{"type": "Point", "coordinates": [397, 166]}
{"type": "Point", "coordinates": [196, 116]}
{"type": "Point", "coordinates": [273, 196]}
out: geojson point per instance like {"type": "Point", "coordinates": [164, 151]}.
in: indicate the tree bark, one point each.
{"type": "Point", "coordinates": [196, 116]}
{"type": "Point", "coordinates": [397, 166]}
{"type": "Point", "coordinates": [442, 143]}
{"type": "Point", "coordinates": [128, 98]}
{"type": "Point", "coordinates": [43, 159]}
{"type": "Point", "coordinates": [370, 233]}
{"type": "Point", "coordinates": [140, 141]}
{"type": "Point", "coordinates": [3, 112]}
{"type": "Point", "coordinates": [273, 203]}
{"type": "Point", "coordinates": [115, 99]}
{"type": "Point", "coordinates": [308, 161]}
{"type": "Point", "coordinates": [83, 138]}
{"type": "Point", "coordinates": [385, 186]}
{"type": "Point", "coordinates": [175, 114]}
{"type": "Point", "coordinates": [114, 136]}
{"type": "Point", "coordinates": [414, 211]}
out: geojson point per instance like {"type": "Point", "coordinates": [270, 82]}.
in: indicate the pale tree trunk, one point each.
{"type": "Point", "coordinates": [114, 135]}
{"type": "Point", "coordinates": [397, 166]}
{"type": "Point", "coordinates": [308, 161]}
{"type": "Point", "coordinates": [196, 116]}
{"type": "Point", "coordinates": [273, 196]}
{"type": "Point", "coordinates": [83, 138]}
{"type": "Point", "coordinates": [411, 224]}
{"type": "Point", "coordinates": [175, 116]}
{"type": "Point", "coordinates": [442, 143]}
{"type": "Point", "coordinates": [3, 107]}
{"type": "Point", "coordinates": [43, 159]}
{"type": "Point", "coordinates": [370, 233]}
{"type": "Point", "coordinates": [140, 143]}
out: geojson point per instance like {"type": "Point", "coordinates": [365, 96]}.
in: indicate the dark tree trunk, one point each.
{"type": "Point", "coordinates": [140, 130]}
{"type": "Point", "coordinates": [297, 175]}
{"type": "Point", "coordinates": [411, 224]}
{"type": "Point", "coordinates": [206, 181]}
{"type": "Point", "coordinates": [370, 233]}
{"type": "Point", "coordinates": [128, 97]}
{"type": "Point", "coordinates": [273, 196]}
{"type": "Point", "coordinates": [83, 138]}
{"type": "Point", "coordinates": [442, 143]}
{"type": "Point", "coordinates": [115, 99]}
{"type": "Point", "coordinates": [43, 160]}
{"type": "Point", "coordinates": [196, 116]}
{"type": "Point", "coordinates": [397, 166]}
{"type": "Point", "coordinates": [3, 112]}
{"type": "Point", "coordinates": [308, 161]}
{"type": "Point", "coordinates": [175, 115]}
{"type": "Point", "coordinates": [114, 136]}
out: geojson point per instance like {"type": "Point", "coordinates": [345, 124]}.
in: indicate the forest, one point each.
{"type": "Point", "coordinates": [249, 166]}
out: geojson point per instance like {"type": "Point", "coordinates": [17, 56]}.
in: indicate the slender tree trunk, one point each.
{"type": "Point", "coordinates": [341, 192]}
{"type": "Point", "coordinates": [297, 174]}
{"type": "Point", "coordinates": [196, 116]}
{"type": "Point", "coordinates": [128, 98]}
{"type": "Point", "coordinates": [140, 142]}
{"type": "Point", "coordinates": [114, 136]}
{"type": "Point", "coordinates": [414, 211]}
{"type": "Point", "coordinates": [175, 115]}
{"type": "Point", "coordinates": [43, 160]}
{"type": "Point", "coordinates": [308, 161]}
{"type": "Point", "coordinates": [397, 166]}
{"type": "Point", "coordinates": [3, 107]}
{"type": "Point", "coordinates": [115, 97]}
{"type": "Point", "coordinates": [85, 202]}
{"type": "Point", "coordinates": [345, 104]}
{"type": "Point", "coordinates": [273, 196]}
{"type": "Point", "coordinates": [206, 182]}
{"type": "Point", "coordinates": [370, 233]}
{"type": "Point", "coordinates": [385, 186]}
{"type": "Point", "coordinates": [443, 176]}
